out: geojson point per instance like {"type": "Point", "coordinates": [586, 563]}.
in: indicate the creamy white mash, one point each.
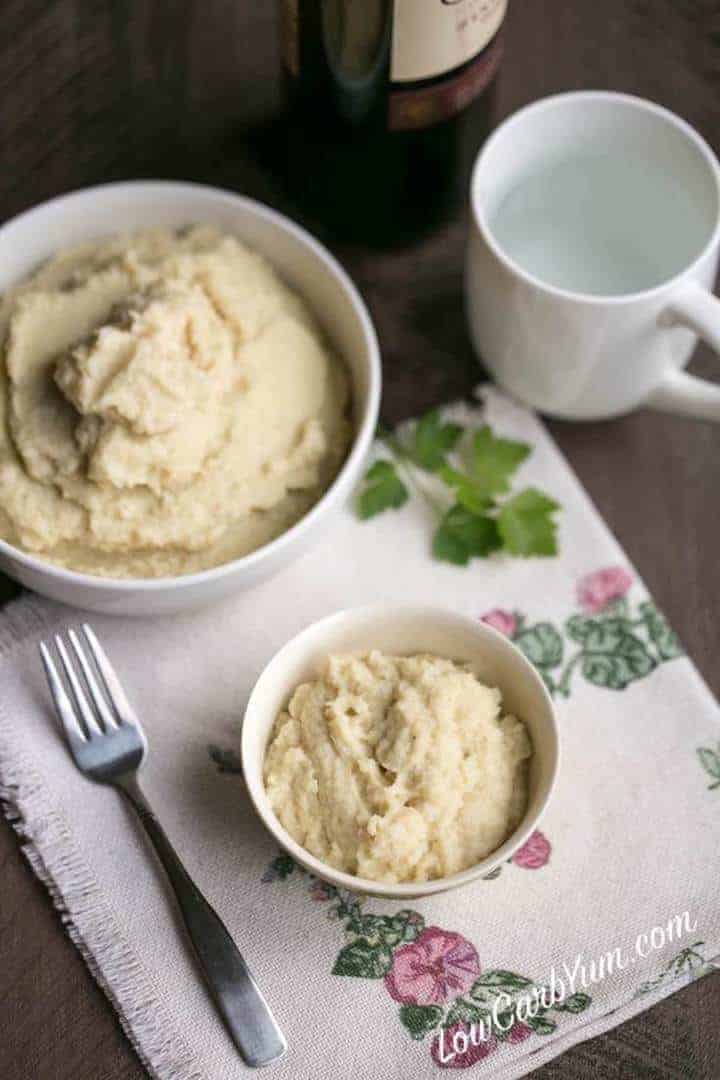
{"type": "Point", "coordinates": [397, 768]}
{"type": "Point", "coordinates": [166, 404]}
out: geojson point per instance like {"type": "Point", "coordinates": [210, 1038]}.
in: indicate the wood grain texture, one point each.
{"type": "Point", "coordinates": [94, 91]}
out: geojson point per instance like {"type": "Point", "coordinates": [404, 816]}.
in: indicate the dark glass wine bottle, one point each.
{"type": "Point", "coordinates": [378, 93]}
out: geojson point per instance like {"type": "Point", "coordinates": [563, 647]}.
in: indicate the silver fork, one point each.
{"type": "Point", "coordinates": [109, 745]}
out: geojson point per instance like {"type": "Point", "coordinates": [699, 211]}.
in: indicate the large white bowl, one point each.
{"type": "Point", "coordinates": [303, 263]}
{"type": "Point", "coordinates": [404, 630]}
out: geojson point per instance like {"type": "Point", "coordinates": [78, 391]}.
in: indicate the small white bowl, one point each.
{"type": "Point", "coordinates": [404, 630]}
{"type": "Point", "coordinates": [305, 264]}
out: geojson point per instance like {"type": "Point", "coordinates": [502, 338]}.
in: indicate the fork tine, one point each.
{"type": "Point", "coordinates": [112, 683]}
{"type": "Point", "coordinates": [91, 725]}
{"type": "Point", "coordinates": [63, 706]}
{"type": "Point", "coordinates": [109, 721]}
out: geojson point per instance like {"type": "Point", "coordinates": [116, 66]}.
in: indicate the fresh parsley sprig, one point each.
{"type": "Point", "coordinates": [383, 490]}
{"type": "Point", "coordinates": [473, 471]}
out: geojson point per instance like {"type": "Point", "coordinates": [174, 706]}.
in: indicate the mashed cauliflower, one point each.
{"type": "Point", "coordinates": [166, 404]}
{"type": "Point", "coordinates": [397, 768]}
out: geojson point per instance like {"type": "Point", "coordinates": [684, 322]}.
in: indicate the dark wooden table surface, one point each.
{"type": "Point", "coordinates": [97, 91]}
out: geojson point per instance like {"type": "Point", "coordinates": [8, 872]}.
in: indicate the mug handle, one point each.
{"type": "Point", "coordinates": [697, 309]}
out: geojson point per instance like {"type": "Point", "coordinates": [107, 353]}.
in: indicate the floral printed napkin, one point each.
{"type": "Point", "coordinates": [607, 909]}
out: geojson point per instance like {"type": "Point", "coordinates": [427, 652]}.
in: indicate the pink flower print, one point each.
{"type": "Point", "coordinates": [456, 1048]}
{"type": "Point", "coordinates": [595, 591]}
{"type": "Point", "coordinates": [504, 621]}
{"type": "Point", "coordinates": [519, 1032]}
{"type": "Point", "coordinates": [320, 890]}
{"type": "Point", "coordinates": [438, 966]}
{"type": "Point", "coordinates": [534, 853]}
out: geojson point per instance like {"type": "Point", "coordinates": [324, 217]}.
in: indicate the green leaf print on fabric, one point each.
{"type": "Point", "coordinates": [609, 642]}
{"type": "Point", "coordinates": [363, 960]}
{"type": "Point", "coordinates": [613, 657]}
{"type": "Point", "coordinates": [280, 868]}
{"type": "Point", "coordinates": [663, 637]}
{"type": "Point", "coordinates": [434, 975]}
{"type": "Point", "coordinates": [389, 930]}
{"type": "Point", "coordinates": [542, 645]}
{"type": "Point", "coordinates": [419, 1019]}
{"type": "Point", "coordinates": [540, 1025]}
{"type": "Point", "coordinates": [710, 761]}
{"type": "Point", "coordinates": [689, 964]}
{"type": "Point", "coordinates": [499, 980]}
{"type": "Point", "coordinates": [575, 1003]}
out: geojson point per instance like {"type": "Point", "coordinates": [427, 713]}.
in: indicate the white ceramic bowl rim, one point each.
{"type": "Point", "coordinates": [410, 889]}
{"type": "Point", "coordinates": [555, 101]}
{"type": "Point", "coordinates": [362, 438]}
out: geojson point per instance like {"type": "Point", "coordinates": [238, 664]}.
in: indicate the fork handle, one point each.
{"type": "Point", "coordinates": [243, 1007]}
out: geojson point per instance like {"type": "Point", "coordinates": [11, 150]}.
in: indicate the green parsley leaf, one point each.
{"type": "Point", "coordinates": [432, 439]}
{"type": "Point", "coordinates": [526, 525]}
{"type": "Point", "coordinates": [485, 516]}
{"type": "Point", "coordinates": [462, 534]}
{"type": "Point", "coordinates": [493, 461]}
{"type": "Point", "coordinates": [466, 492]}
{"type": "Point", "coordinates": [383, 490]}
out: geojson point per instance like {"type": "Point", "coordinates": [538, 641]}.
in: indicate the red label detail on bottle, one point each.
{"type": "Point", "coordinates": [424, 106]}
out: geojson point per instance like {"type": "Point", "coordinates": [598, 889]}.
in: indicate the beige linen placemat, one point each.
{"type": "Point", "coordinates": [615, 901]}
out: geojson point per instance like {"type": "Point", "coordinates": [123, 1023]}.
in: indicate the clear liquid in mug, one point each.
{"type": "Point", "coordinates": [603, 222]}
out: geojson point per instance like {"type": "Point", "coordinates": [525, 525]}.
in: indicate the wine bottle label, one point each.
{"type": "Point", "coordinates": [432, 37]}
{"type": "Point", "coordinates": [423, 106]}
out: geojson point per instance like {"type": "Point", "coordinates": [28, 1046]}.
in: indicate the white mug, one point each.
{"type": "Point", "coordinates": [592, 252]}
